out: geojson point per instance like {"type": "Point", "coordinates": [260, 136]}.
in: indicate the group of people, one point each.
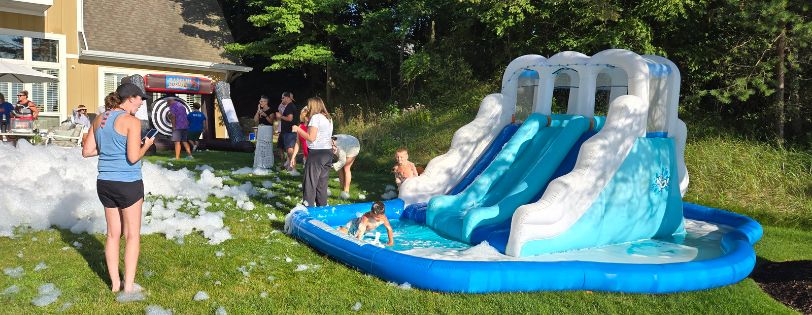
{"type": "Point", "coordinates": [186, 127]}
{"type": "Point", "coordinates": [23, 109]}
{"type": "Point", "coordinates": [115, 136]}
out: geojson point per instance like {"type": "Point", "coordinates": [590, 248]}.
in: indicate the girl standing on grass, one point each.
{"type": "Point", "coordinates": [301, 144]}
{"type": "Point", "coordinates": [320, 152]}
{"type": "Point", "coordinates": [115, 137]}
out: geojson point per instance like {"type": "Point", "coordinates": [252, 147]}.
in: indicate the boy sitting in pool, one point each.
{"type": "Point", "coordinates": [368, 222]}
{"type": "Point", "coordinates": [403, 169]}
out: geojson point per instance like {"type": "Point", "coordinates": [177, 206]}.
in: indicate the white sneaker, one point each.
{"type": "Point", "coordinates": [344, 195]}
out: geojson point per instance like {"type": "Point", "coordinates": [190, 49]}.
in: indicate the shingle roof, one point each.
{"type": "Point", "coordinates": [182, 29]}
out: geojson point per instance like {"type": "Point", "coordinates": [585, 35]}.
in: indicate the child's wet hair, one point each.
{"type": "Point", "coordinates": [401, 149]}
{"type": "Point", "coordinates": [378, 208]}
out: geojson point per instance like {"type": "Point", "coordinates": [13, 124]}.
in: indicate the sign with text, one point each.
{"type": "Point", "coordinates": [177, 84]}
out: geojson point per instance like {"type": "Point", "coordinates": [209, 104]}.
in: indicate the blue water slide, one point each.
{"type": "Point", "coordinates": [531, 170]}
{"type": "Point", "coordinates": [500, 164]}
{"type": "Point", "coordinates": [486, 158]}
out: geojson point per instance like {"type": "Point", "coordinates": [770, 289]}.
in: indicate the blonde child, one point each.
{"type": "Point", "coordinates": [369, 222]}
{"type": "Point", "coordinates": [403, 169]}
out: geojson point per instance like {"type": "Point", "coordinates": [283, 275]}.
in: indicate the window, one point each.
{"type": "Point", "coordinates": [526, 94]}
{"type": "Point", "coordinates": [111, 82]}
{"type": "Point", "coordinates": [11, 47]}
{"type": "Point", "coordinates": [10, 91]}
{"type": "Point", "coordinates": [44, 49]}
{"type": "Point", "coordinates": [46, 95]}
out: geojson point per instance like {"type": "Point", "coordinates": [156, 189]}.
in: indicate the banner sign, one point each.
{"type": "Point", "coordinates": [177, 84]}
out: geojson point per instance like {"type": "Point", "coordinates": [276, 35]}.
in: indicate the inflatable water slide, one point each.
{"type": "Point", "coordinates": [529, 199]}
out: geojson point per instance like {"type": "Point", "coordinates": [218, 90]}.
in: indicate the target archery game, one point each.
{"type": "Point", "coordinates": [159, 115]}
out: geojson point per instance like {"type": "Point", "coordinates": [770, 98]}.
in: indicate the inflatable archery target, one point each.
{"type": "Point", "coordinates": [160, 115]}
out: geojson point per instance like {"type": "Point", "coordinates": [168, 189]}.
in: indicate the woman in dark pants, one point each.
{"type": "Point", "coordinates": [320, 157]}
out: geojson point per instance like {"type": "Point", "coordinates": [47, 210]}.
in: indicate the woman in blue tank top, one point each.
{"type": "Point", "coordinates": [115, 137]}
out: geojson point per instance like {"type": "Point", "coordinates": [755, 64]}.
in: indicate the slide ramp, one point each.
{"type": "Point", "coordinates": [525, 165]}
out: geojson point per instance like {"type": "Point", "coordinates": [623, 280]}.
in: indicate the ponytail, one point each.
{"type": "Point", "coordinates": [112, 101]}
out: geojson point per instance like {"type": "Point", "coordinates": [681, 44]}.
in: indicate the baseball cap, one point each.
{"type": "Point", "coordinates": [128, 89]}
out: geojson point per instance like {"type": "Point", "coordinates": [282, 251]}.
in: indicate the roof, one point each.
{"type": "Point", "coordinates": [180, 29]}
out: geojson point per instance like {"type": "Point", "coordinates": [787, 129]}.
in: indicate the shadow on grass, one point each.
{"type": "Point", "coordinates": [789, 282]}
{"type": "Point", "coordinates": [92, 250]}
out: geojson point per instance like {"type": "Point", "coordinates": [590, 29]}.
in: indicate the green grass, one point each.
{"type": "Point", "coordinates": [768, 184]}
{"type": "Point", "coordinates": [771, 185]}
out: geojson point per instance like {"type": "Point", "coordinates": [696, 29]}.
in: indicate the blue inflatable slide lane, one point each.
{"type": "Point", "coordinates": [313, 227]}
{"type": "Point", "coordinates": [486, 158]}
{"type": "Point", "coordinates": [515, 177]}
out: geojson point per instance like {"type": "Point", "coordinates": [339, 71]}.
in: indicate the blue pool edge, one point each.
{"type": "Point", "coordinates": [527, 276]}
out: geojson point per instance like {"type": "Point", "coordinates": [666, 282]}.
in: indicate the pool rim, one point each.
{"type": "Point", "coordinates": [734, 265]}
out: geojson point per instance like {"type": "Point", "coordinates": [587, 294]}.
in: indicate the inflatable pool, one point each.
{"type": "Point", "coordinates": [736, 258]}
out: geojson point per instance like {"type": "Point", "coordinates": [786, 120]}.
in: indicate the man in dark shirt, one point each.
{"type": "Point", "coordinates": [288, 116]}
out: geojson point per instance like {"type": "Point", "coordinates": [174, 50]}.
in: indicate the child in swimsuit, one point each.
{"type": "Point", "coordinates": [403, 168]}
{"type": "Point", "coordinates": [368, 222]}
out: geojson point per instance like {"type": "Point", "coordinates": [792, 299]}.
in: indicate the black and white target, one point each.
{"type": "Point", "coordinates": [160, 114]}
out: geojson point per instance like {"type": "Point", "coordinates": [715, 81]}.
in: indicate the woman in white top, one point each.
{"type": "Point", "coordinates": [320, 157]}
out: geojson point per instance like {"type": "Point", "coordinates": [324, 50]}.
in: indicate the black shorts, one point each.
{"type": "Point", "coordinates": [120, 195]}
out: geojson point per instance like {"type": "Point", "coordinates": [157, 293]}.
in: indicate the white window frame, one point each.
{"type": "Point", "coordinates": [60, 65]}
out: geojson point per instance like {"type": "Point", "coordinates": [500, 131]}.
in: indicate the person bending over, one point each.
{"type": "Point", "coordinates": [346, 148]}
{"type": "Point", "coordinates": [368, 222]}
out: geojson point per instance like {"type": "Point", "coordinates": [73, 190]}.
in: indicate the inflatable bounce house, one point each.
{"type": "Point", "coordinates": [164, 87]}
{"type": "Point", "coordinates": [526, 199]}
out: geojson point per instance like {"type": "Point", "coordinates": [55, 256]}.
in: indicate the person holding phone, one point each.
{"type": "Point", "coordinates": [115, 137]}
{"type": "Point", "coordinates": [265, 117]}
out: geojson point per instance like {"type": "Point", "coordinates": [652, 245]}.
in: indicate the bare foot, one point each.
{"type": "Point", "coordinates": [115, 287]}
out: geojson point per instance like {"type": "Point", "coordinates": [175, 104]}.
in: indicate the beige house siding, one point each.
{"type": "Point", "coordinates": [83, 85]}
{"type": "Point", "coordinates": [60, 18]}
{"type": "Point", "coordinates": [203, 35]}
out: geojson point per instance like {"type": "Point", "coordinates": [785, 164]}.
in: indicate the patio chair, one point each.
{"type": "Point", "coordinates": [65, 135]}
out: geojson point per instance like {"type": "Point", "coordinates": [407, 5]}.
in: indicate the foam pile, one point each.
{"type": "Point", "coordinates": [52, 186]}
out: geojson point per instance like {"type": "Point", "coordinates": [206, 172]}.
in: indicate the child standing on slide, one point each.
{"type": "Point", "coordinates": [368, 222]}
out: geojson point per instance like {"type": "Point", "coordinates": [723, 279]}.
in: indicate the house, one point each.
{"type": "Point", "coordinates": [91, 44]}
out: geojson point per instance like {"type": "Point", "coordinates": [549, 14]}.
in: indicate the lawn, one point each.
{"type": "Point", "coordinates": [255, 272]}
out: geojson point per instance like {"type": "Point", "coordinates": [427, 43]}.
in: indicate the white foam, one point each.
{"type": "Point", "coordinates": [156, 310]}
{"type": "Point", "coordinates": [48, 293]}
{"type": "Point", "coordinates": [14, 273]}
{"type": "Point", "coordinates": [701, 242]}
{"type": "Point", "coordinates": [389, 195]}
{"type": "Point", "coordinates": [357, 306]}
{"type": "Point", "coordinates": [13, 289]}
{"type": "Point", "coordinates": [220, 311]}
{"type": "Point", "coordinates": [40, 266]}
{"type": "Point", "coordinates": [65, 183]}
{"type": "Point", "coordinates": [200, 296]}
{"type": "Point", "coordinates": [136, 295]}
{"type": "Point", "coordinates": [301, 268]}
